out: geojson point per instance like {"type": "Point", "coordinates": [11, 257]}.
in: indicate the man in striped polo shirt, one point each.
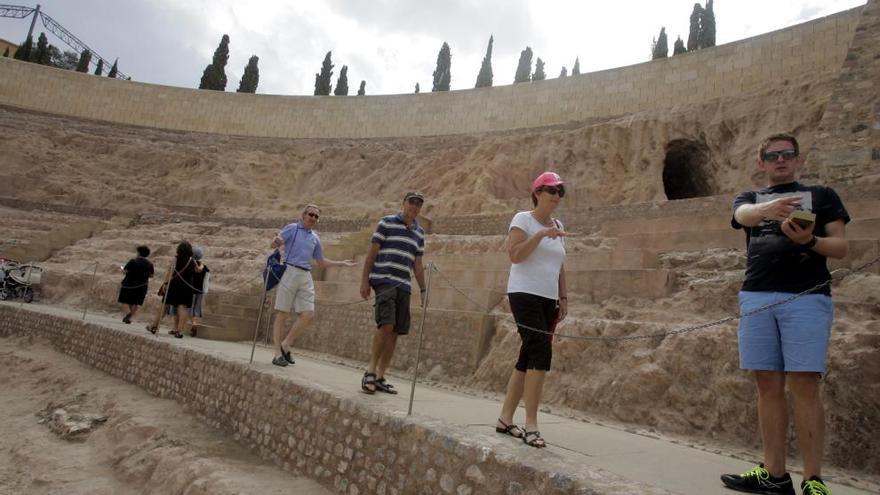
{"type": "Point", "coordinates": [396, 249]}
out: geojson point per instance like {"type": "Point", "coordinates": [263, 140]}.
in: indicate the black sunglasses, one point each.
{"type": "Point", "coordinates": [415, 201]}
{"type": "Point", "coordinates": [553, 190]}
{"type": "Point", "coordinates": [772, 156]}
{"type": "Point", "coordinates": [313, 215]}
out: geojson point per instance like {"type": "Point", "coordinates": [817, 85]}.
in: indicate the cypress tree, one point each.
{"type": "Point", "coordinates": [693, 42]}
{"type": "Point", "coordinates": [707, 26]}
{"type": "Point", "coordinates": [661, 47]}
{"type": "Point", "coordinates": [113, 70]}
{"type": "Point", "coordinates": [443, 74]}
{"type": "Point", "coordinates": [251, 76]}
{"type": "Point", "coordinates": [563, 72]}
{"type": "Point", "coordinates": [539, 71]}
{"type": "Point", "coordinates": [417, 88]}
{"type": "Point", "coordinates": [576, 70]}
{"type": "Point", "coordinates": [214, 75]}
{"type": "Point", "coordinates": [6, 52]}
{"type": "Point", "coordinates": [24, 50]}
{"type": "Point", "coordinates": [324, 79]}
{"type": "Point", "coordinates": [342, 82]}
{"type": "Point", "coordinates": [678, 47]}
{"type": "Point", "coordinates": [524, 67]}
{"type": "Point", "coordinates": [42, 56]}
{"type": "Point", "coordinates": [484, 78]}
{"type": "Point", "coordinates": [363, 89]}
{"type": "Point", "coordinates": [84, 59]}
{"type": "Point", "coordinates": [100, 69]}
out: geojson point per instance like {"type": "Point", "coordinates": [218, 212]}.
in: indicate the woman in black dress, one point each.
{"type": "Point", "coordinates": [179, 289]}
{"type": "Point", "coordinates": [134, 285]}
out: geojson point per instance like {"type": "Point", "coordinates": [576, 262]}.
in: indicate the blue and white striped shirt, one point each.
{"type": "Point", "coordinates": [399, 246]}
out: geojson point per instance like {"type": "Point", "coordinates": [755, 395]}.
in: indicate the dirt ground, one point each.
{"type": "Point", "coordinates": [146, 445]}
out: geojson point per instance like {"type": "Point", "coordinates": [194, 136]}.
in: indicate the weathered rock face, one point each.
{"type": "Point", "coordinates": [620, 160]}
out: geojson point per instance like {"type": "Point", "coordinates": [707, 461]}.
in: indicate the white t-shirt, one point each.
{"type": "Point", "coordinates": [538, 274]}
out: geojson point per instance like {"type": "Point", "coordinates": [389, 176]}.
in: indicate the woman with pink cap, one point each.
{"type": "Point", "coordinates": [538, 300]}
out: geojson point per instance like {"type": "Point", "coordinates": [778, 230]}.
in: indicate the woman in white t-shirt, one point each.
{"type": "Point", "coordinates": [538, 300]}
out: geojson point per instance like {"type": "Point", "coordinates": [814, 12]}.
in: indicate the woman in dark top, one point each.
{"type": "Point", "coordinates": [134, 285]}
{"type": "Point", "coordinates": [179, 291]}
{"type": "Point", "coordinates": [200, 288]}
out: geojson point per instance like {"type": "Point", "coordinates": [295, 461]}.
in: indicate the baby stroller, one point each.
{"type": "Point", "coordinates": [18, 281]}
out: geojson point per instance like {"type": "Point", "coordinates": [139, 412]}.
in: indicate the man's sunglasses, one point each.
{"type": "Point", "coordinates": [553, 190]}
{"type": "Point", "coordinates": [313, 215]}
{"type": "Point", "coordinates": [772, 156]}
{"type": "Point", "coordinates": [415, 201]}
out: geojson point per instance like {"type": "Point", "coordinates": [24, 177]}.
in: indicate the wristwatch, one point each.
{"type": "Point", "coordinates": [811, 243]}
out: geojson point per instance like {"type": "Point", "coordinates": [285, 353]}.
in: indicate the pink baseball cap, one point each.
{"type": "Point", "coordinates": [546, 179]}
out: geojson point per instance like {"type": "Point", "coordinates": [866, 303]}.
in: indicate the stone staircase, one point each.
{"type": "Point", "coordinates": [35, 235]}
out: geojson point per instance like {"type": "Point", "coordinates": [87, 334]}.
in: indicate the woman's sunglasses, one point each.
{"type": "Point", "coordinates": [553, 190]}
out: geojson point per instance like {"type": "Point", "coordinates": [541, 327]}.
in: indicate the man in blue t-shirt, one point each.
{"type": "Point", "coordinates": [299, 245]}
{"type": "Point", "coordinates": [396, 249]}
{"type": "Point", "coordinates": [787, 344]}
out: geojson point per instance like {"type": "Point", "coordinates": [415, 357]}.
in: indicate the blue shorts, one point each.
{"type": "Point", "coordinates": [790, 337]}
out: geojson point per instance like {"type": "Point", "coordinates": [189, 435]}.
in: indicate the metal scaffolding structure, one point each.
{"type": "Point", "coordinates": [54, 27]}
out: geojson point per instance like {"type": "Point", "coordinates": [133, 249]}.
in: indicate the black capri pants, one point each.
{"type": "Point", "coordinates": [538, 312]}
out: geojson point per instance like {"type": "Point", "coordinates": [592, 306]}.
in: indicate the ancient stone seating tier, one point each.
{"type": "Point", "coordinates": [33, 235]}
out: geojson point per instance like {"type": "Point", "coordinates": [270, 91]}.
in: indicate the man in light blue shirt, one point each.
{"type": "Point", "coordinates": [299, 245]}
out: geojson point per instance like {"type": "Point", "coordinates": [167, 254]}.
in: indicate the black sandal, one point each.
{"type": "Point", "coordinates": [536, 440]}
{"type": "Point", "coordinates": [152, 329]}
{"type": "Point", "coordinates": [383, 386]}
{"type": "Point", "coordinates": [368, 383]}
{"type": "Point", "coordinates": [509, 429]}
{"type": "Point", "coordinates": [177, 334]}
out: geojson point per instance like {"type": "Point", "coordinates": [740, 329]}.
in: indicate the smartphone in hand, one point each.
{"type": "Point", "coordinates": [804, 219]}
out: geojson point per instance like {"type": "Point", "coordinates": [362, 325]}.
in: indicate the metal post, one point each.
{"type": "Point", "coordinates": [259, 318]}
{"type": "Point", "coordinates": [28, 286]}
{"type": "Point", "coordinates": [412, 390]}
{"type": "Point", "coordinates": [161, 313]}
{"type": "Point", "coordinates": [34, 21]}
{"type": "Point", "coordinates": [269, 314]}
{"type": "Point", "coordinates": [89, 295]}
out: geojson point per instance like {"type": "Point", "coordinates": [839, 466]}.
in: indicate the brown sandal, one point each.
{"type": "Point", "coordinates": [508, 429]}
{"type": "Point", "coordinates": [536, 440]}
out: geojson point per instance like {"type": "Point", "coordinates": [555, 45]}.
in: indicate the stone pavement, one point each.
{"type": "Point", "coordinates": [644, 458]}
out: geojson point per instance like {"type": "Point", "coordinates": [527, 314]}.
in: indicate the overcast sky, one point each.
{"type": "Point", "coordinates": [392, 44]}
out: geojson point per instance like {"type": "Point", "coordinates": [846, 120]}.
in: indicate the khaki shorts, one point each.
{"type": "Point", "coordinates": [295, 291]}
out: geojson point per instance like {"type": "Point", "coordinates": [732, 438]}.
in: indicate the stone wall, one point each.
{"type": "Point", "coordinates": [345, 444]}
{"type": "Point", "coordinates": [452, 345]}
{"type": "Point", "coordinates": [848, 144]}
{"type": "Point", "coordinates": [586, 220]}
{"type": "Point", "coordinates": [729, 70]}
{"type": "Point", "coordinates": [590, 219]}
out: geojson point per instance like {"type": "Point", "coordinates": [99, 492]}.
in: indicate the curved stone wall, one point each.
{"type": "Point", "coordinates": [732, 69]}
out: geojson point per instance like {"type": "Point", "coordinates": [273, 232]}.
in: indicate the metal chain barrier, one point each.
{"type": "Point", "coordinates": [433, 268]}
{"type": "Point", "coordinates": [659, 335]}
